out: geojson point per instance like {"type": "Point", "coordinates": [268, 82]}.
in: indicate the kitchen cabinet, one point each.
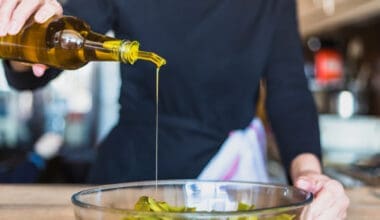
{"type": "Point", "coordinates": [316, 16]}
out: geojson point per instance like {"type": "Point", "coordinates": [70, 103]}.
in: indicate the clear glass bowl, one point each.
{"type": "Point", "coordinates": [212, 200]}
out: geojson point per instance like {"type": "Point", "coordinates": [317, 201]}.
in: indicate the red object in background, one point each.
{"type": "Point", "coordinates": [328, 66]}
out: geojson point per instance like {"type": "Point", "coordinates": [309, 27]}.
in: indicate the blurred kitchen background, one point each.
{"type": "Point", "coordinates": [342, 65]}
{"type": "Point", "coordinates": [63, 121]}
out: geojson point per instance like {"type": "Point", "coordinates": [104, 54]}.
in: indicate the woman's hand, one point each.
{"type": "Point", "coordinates": [330, 200]}
{"type": "Point", "coordinates": [14, 14]}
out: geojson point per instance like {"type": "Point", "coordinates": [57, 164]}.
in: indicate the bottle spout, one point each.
{"type": "Point", "coordinates": [152, 57]}
{"type": "Point", "coordinates": [132, 53]}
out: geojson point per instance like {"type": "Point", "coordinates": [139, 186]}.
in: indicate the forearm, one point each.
{"type": "Point", "coordinates": [303, 164]}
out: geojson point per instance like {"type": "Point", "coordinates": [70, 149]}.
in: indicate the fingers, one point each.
{"type": "Point", "coordinates": [324, 200]}
{"type": "Point", "coordinates": [14, 13]}
{"type": "Point", "coordinates": [330, 201]}
{"type": "Point", "coordinates": [39, 69]}
{"type": "Point", "coordinates": [311, 183]}
{"type": "Point", "coordinates": [327, 216]}
{"type": "Point", "coordinates": [336, 210]}
{"type": "Point", "coordinates": [345, 203]}
{"type": "Point", "coordinates": [48, 10]}
{"type": "Point", "coordinates": [6, 10]}
{"type": "Point", "coordinates": [20, 14]}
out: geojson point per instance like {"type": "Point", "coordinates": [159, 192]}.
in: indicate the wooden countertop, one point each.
{"type": "Point", "coordinates": [37, 202]}
{"type": "Point", "coordinates": [53, 202]}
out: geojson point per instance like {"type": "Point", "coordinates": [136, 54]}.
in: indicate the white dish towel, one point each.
{"type": "Point", "coordinates": [242, 157]}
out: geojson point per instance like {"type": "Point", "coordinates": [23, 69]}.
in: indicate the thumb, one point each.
{"type": "Point", "coordinates": [39, 69]}
{"type": "Point", "coordinates": [308, 184]}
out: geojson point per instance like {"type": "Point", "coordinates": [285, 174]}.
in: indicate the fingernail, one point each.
{"type": "Point", "coordinates": [41, 16]}
{"type": "Point", "coordinates": [303, 184]}
{"type": "Point", "coordinates": [3, 30]}
{"type": "Point", "coordinates": [14, 28]}
{"type": "Point", "coordinates": [38, 71]}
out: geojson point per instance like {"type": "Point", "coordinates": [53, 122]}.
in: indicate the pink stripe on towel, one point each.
{"type": "Point", "coordinates": [232, 171]}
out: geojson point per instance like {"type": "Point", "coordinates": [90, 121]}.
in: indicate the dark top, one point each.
{"type": "Point", "coordinates": [216, 51]}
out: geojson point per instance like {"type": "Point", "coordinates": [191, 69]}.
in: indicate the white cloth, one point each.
{"type": "Point", "coordinates": [242, 157]}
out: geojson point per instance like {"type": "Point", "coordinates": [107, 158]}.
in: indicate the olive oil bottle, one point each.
{"type": "Point", "coordinates": [67, 42]}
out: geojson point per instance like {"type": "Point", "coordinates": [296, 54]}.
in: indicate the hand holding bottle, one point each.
{"type": "Point", "coordinates": [14, 14]}
{"type": "Point", "coordinates": [63, 42]}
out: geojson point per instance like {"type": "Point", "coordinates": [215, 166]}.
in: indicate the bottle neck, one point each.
{"type": "Point", "coordinates": [130, 52]}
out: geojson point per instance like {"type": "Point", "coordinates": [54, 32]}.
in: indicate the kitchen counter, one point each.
{"type": "Point", "coordinates": [53, 202]}
{"type": "Point", "coordinates": [37, 202]}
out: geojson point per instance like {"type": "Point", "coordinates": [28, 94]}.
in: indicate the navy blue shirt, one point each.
{"type": "Point", "coordinates": [217, 51]}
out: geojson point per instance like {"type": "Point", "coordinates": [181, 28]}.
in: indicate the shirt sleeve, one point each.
{"type": "Point", "coordinates": [290, 105]}
{"type": "Point", "coordinates": [27, 80]}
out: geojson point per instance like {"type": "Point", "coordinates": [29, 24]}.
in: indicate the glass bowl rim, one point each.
{"type": "Point", "coordinates": [109, 187]}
